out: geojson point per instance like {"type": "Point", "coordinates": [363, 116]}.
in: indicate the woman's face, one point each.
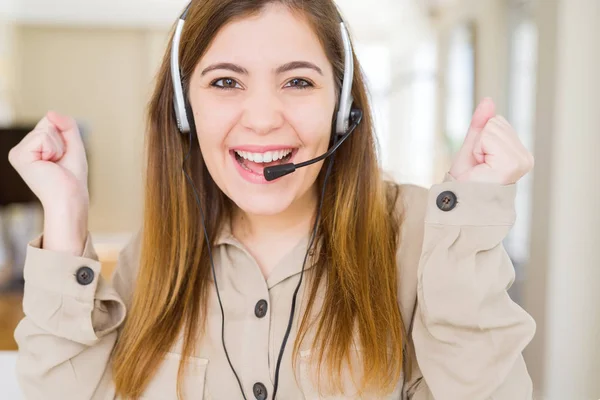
{"type": "Point", "coordinates": [263, 94]}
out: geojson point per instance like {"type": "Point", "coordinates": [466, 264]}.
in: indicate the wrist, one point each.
{"type": "Point", "coordinates": [66, 228]}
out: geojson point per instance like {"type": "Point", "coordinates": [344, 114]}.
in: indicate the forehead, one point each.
{"type": "Point", "coordinates": [271, 38]}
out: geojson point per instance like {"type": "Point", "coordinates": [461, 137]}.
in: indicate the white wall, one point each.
{"type": "Point", "coordinates": [99, 12]}
{"type": "Point", "coordinates": [8, 376]}
{"type": "Point", "coordinates": [7, 8]}
{"type": "Point", "coordinates": [563, 292]}
{"type": "Point", "coordinates": [365, 18]}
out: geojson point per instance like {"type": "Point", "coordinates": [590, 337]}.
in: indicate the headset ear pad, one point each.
{"type": "Point", "coordinates": [355, 113]}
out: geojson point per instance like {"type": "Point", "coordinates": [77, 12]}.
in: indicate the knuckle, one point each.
{"type": "Point", "coordinates": [501, 118]}
{"type": "Point", "coordinates": [525, 163]}
{"type": "Point", "coordinates": [531, 160]}
{"type": "Point", "coordinates": [12, 156]}
{"type": "Point", "coordinates": [495, 129]}
{"type": "Point", "coordinates": [51, 145]}
{"type": "Point", "coordinates": [37, 134]}
{"type": "Point", "coordinates": [496, 120]}
{"type": "Point", "coordinates": [515, 164]}
{"type": "Point", "coordinates": [46, 138]}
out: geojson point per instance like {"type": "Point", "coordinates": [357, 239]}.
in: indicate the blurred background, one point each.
{"type": "Point", "coordinates": [428, 63]}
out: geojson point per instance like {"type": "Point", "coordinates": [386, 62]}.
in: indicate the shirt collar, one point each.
{"type": "Point", "coordinates": [290, 264]}
{"type": "Point", "coordinates": [225, 236]}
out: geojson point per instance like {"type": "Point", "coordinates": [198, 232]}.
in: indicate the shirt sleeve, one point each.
{"type": "Point", "coordinates": [467, 333]}
{"type": "Point", "coordinates": [71, 323]}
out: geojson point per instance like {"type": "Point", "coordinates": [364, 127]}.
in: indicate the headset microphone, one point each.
{"type": "Point", "coordinates": [277, 171]}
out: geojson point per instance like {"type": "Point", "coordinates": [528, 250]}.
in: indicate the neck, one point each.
{"type": "Point", "coordinates": [293, 224]}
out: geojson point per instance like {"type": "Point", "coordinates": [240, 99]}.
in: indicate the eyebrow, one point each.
{"type": "Point", "coordinates": [280, 70]}
{"type": "Point", "coordinates": [227, 66]}
{"type": "Point", "coordinates": [297, 65]}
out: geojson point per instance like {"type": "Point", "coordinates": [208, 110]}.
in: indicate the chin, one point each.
{"type": "Point", "coordinates": [262, 203]}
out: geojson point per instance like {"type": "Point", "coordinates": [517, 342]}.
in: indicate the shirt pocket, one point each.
{"type": "Point", "coordinates": [308, 381]}
{"type": "Point", "coordinates": [164, 384]}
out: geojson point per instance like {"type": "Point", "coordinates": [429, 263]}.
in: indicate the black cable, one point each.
{"type": "Point", "coordinates": [212, 264]}
{"type": "Point", "coordinates": [293, 310]}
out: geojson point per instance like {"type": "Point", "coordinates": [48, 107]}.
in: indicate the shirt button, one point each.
{"type": "Point", "coordinates": [446, 201]}
{"type": "Point", "coordinates": [84, 275]}
{"type": "Point", "coordinates": [260, 310]}
{"type": "Point", "coordinates": [260, 391]}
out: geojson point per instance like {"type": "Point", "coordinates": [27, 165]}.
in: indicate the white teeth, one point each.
{"type": "Point", "coordinates": [265, 157]}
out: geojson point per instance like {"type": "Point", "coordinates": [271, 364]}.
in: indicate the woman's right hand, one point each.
{"type": "Point", "coordinates": [51, 160]}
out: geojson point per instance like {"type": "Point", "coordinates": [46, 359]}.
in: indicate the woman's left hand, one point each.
{"type": "Point", "coordinates": [492, 151]}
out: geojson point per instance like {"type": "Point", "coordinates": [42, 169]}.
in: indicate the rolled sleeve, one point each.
{"type": "Point", "coordinates": [57, 272]}
{"type": "Point", "coordinates": [63, 305]}
{"type": "Point", "coordinates": [477, 204]}
{"type": "Point", "coordinates": [468, 333]}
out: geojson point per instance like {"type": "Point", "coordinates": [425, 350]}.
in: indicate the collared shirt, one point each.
{"type": "Point", "coordinates": [453, 273]}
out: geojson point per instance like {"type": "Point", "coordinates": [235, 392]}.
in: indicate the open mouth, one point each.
{"type": "Point", "coordinates": [257, 162]}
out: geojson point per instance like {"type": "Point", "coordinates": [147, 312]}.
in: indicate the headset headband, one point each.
{"type": "Point", "coordinates": [343, 114]}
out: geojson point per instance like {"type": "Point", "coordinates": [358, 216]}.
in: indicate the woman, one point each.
{"type": "Point", "coordinates": [401, 292]}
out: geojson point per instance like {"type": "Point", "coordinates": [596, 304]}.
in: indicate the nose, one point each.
{"type": "Point", "coordinates": [263, 111]}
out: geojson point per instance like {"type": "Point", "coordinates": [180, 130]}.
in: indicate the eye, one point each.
{"type": "Point", "coordinates": [299, 83]}
{"type": "Point", "coordinates": [226, 83]}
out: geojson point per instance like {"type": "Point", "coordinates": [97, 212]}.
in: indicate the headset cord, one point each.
{"type": "Point", "coordinates": [293, 310]}
{"type": "Point", "coordinates": [212, 264]}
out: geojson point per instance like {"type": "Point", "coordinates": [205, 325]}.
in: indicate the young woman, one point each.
{"type": "Point", "coordinates": [326, 283]}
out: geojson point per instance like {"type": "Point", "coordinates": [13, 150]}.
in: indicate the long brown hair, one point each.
{"type": "Point", "coordinates": [358, 231]}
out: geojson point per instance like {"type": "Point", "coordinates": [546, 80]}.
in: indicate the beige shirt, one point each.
{"type": "Point", "coordinates": [453, 276]}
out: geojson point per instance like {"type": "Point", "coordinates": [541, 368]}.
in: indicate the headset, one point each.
{"type": "Point", "coordinates": [347, 119]}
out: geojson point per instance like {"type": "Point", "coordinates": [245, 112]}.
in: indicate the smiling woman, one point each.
{"type": "Point", "coordinates": [256, 100]}
{"type": "Point", "coordinates": [379, 290]}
